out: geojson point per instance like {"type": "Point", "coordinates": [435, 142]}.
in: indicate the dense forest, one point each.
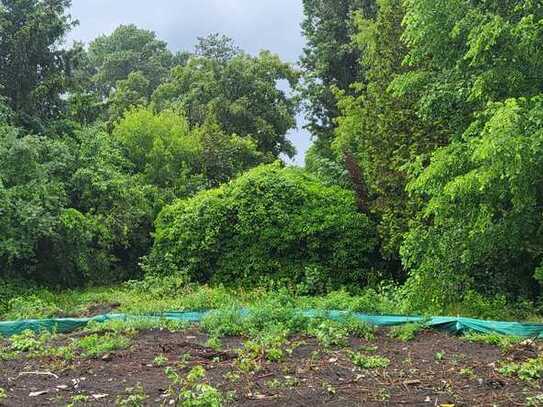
{"type": "Point", "coordinates": [121, 159]}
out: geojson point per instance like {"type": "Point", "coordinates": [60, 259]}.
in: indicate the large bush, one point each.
{"type": "Point", "coordinates": [272, 224]}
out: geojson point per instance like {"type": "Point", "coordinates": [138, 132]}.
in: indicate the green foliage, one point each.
{"type": "Point", "coordinates": [278, 220]}
{"type": "Point", "coordinates": [330, 60]}
{"type": "Point", "coordinates": [407, 332]}
{"type": "Point", "coordinates": [27, 341]}
{"type": "Point", "coordinates": [136, 397]}
{"type": "Point", "coordinates": [481, 222]}
{"type": "Point", "coordinates": [369, 362]}
{"type": "Point", "coordinates": [380, 128]}
{"type": "Point", "coordinates": [95, 345]}
{"type": "Point", "coordinates": [126, 51]}
{"type": "Point", "coordinates": [239, 93]}
{"type": "Point", "coordinates": [36, 70]}
{"type": "Point", "coordinates": [3, 394]}
{"type": "Point", "coordinates": [531, 369]}
{"type": "Point", "coordinates": [505, 343]}
{"type": "Point", "coordinates": [161, 148]}
{"type": "Point", "coordinates": [69, 204]}
{"type": "Point", "coordinates": [191, 390]}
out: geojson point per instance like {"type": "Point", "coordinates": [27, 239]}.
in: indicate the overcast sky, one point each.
{"type": "Point", "coordinates": [253, 24]}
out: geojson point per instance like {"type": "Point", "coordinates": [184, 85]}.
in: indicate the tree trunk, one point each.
{"type": "Point", "coordinates": [357, 179]}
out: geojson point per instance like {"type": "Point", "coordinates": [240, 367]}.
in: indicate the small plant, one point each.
{"type": "Point", "coordinates": [369, 362]}
{"type": "Point", "coordinates": [358, 328]}
{"type": "Point", "coordinates": [503, 342]}
{"type": "Point", "coordinates": [3, 394]}
{"type": "Point", "coordinates": [468, 372]}
{"type": "Point", "coordinates": [78, 399]}
{"type": "Point", "coordinates": [191, 390]}
{"type": "Point", "coordinates": [531, 369]}
{"type": "Point", "coordinates": [160, 361]}
{"type": "Point", "coordinates": [405, 333]}
{"type": "Point", "coordinates": [534, 401]}
{"type": "Point", "coordinates": [135, 397]}
{"type": "Point", "coordinates": [96, 345]}
{"type": "Point", "coordinates": [224, 322]}
{"type": "Point", "coordinates": [214, 343]}
{"type": "Point", "coordinates": [329, 333]}
{"type": "Point", "coordinates": [329, 388]}
{"type": "Point", "coordinates": [28, 341]}
{"type": "Point", "coordinates": [383, 395]}
{"type": "Point", "coordinates": [439, 356]}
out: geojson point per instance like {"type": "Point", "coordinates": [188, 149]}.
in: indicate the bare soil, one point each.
{"type": "Point", "coordinates": [435, 369]}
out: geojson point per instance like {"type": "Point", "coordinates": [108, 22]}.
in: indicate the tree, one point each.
{"type": "Point", "coordinates": [329, 60]}
{"type": "Point", "coordinates": [241, 95]}
{"type": "Point", "coordinates": [36, 70]}
{"type": "Point", "coordinates": [161, 147]}
{"type": "Point", "coordinates": [71, 213]}
{"type": "Point", "coordinates": [479, 225]}
{"type": "Point", "coordinates": [129, 92]}
{"type": "Point", "coordinates": [380, 129]}
{"type": "Point", "coordinates": [128, 49]}
{"type": "Point", "coordinates": [218, 47]}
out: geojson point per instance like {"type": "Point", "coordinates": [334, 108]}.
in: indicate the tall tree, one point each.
{"type": "Point", "coordinates": [217, 46]}
{"type": "Point", "coordinates": [128, 49]}
{"type": "Point", "coordinates": [240, 94]}
{"type": "Point", "coordinates": [35, 69]}
{"type": "Point", "coordinates": [330, 59]}
{"type": "Point", "coordinates": [379, 128]}
{"type": "Point", "coordinates": [478, 83]}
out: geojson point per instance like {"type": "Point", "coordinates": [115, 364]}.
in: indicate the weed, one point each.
{"type": "Point", "coordinates": [136, 397]}
{"type": "Point", "coordinates": [329, 333]}
{"type": "Point", "coordinates": [534, 401]}
{"type": "Point", "coordinates": [468, 372]}
{"type": "Point", "coordinates": [191, 390]}
{"type": "Point", "coordinates": [329, 388]}
{"type": "Point", "coordinates": [383, 395]}
{"type": "Point", "coordinates": [62, 352]}
{"type": "Point", "coordinates": [287, 382]}
{"type": "Point", "coordinates": [503, 342]}
{"type": "Point", "coordinates": [94, 345]}
{"type": "Point", "coordinates": [358, 328]}
{"type": "Point", "coordinates": [531, 369]}
{"type": "Point", "coordinates": [405, 333]}
{"type": "Point", "coordinates": [232, 377]}
{"type": "Point", "coordinates": [369, 362]}
{"type": "Point", "coordinates": [160, 361]}
{"type": "Point", "coordinates": [78, 399]}
{"type": "Point", "coordinates": [3, 394]}
{"type": "Point", "coordinates": [214, 343]}
{"type": "Point", "coordinates": [28, 341]}
{"type": "Point", "coordinates": [439, 356]}
{"type": "Point", "coordinates": [227, 321]}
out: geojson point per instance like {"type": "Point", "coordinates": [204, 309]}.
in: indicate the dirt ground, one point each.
{"type": "Point", "coordinates": [435, 369]}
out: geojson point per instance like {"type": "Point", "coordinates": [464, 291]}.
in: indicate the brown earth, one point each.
{"type": "Point", "coordinates": [435, 369]}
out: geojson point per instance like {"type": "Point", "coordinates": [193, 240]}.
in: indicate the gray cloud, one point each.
{"type": "Point", "coordinates": [253, 24]}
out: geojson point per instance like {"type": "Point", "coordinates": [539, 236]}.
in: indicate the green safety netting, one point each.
{"type": "Point", "coordinates": [456, 325]}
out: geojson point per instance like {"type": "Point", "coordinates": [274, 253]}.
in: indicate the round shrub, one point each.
{"type": "Point", "coordinates": [271, 226]}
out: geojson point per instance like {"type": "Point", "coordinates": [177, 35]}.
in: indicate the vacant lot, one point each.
{"type": "Point", "coordinates": [131, 366]}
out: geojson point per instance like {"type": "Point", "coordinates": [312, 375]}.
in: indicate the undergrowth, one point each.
{"type": "Point", "coordinates": [503, 342]}
{"type": "Point", "coordinates": [172, 293]}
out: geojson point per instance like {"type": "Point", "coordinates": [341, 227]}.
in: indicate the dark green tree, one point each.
{"type": "Point", "coordinates": [330, 59]}
{"type": "Point", "coordinates": [35, 67]}
{"type": "Point", "coordinates": [128, 49]}
{"type": "Point", "coordinates": [240, 94]}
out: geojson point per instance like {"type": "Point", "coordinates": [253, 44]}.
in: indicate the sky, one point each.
{"type": "Point", "coordinates": [253, 24]}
